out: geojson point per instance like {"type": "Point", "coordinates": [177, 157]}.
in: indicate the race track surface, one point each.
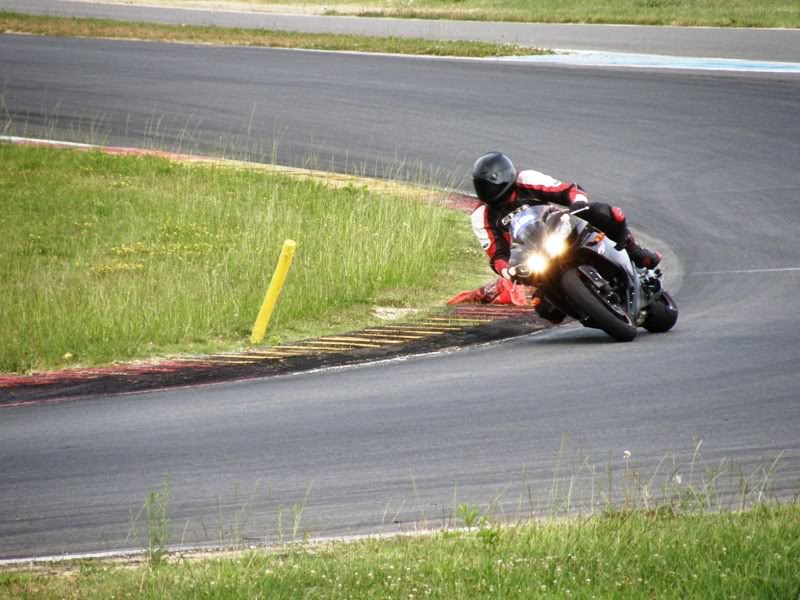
{"type": "Point", "coordinates": [705, 166]}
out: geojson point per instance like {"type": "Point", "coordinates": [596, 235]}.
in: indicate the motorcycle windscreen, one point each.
{"type": "Point", "coordinates": [528, 225]}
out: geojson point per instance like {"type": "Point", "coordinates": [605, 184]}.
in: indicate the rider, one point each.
{"type": "Point", "coordinates": [501, 190]}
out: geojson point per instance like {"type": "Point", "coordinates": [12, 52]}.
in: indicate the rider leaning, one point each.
{"type": "Point", "coordinates": [501, 190]}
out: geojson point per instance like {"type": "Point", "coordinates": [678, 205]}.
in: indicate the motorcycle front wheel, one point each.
{"type": "Point", "coordinates": [587, 299]}
{"type": "Point", "coordinates": [662, 315]}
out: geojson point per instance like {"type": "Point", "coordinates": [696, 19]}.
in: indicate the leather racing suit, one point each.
{"type": "Point", "coordinates": [533, 187]}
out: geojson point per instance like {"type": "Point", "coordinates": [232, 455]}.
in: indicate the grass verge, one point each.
{"type": "Point", "coordinates": [11, 22]}
{"type": "Point", "coordinates": [107, 258]}
{"type": "Point", "coordinates": [638, 554]}
{"type": "Point", "coordinates": [719, 13]}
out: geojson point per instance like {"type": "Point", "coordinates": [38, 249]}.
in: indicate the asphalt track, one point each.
{"type": "Point", "coordinates": [706, 164]}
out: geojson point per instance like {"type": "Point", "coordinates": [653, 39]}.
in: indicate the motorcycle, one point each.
{"type": "Point", "coordinates": [581, 272]}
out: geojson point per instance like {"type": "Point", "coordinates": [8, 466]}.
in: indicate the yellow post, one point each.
{"type": "Point", "coordinates": [273, 292]}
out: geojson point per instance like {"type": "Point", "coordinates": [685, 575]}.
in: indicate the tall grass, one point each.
{"type": "Point", "coordinates": [109, 258]}
{"type": "Point", "coordinates": [754, 554]}
{"type": "Point", "coordinates": [686, 542]}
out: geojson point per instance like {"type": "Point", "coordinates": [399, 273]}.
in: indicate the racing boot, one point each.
{"type": "Point", "coordinates": [641, 257]}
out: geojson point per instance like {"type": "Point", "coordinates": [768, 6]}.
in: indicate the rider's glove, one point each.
{"type": "Point", "coordinates": [501, 268]}
{"type": "Point", "coordinates": [517, 274]}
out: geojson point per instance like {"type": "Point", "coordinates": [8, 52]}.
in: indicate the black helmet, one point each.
{"type": "Point", "coordinates": [493, 176]}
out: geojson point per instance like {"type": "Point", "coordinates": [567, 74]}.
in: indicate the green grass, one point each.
{"type": "Point", "coordinates": [718, 13]}
{"type": "Point", "coordinates": [722, 13]}
{"type": "Point", "coordinates": [109, 258]}
{"type": "Point", "coordinates": [11, 22]}
{"type": "Point", "coordinates": [639, 554]}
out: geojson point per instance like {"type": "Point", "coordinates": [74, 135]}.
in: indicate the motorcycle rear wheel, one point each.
{"type": "Point", "coordinates": [587, 300]}
{"type": "Point", "coordinates": [661, 315]}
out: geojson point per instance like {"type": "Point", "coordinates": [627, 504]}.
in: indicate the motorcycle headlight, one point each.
{"type": "Point", "coordinates": [555, 245]}
{"type": "Point", "coordinates": [556, 242]}
{"type": "Point", "coordinates": [536, 263]}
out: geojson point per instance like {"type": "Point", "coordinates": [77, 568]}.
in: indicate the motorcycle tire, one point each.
{"type": "Point", "coordinates": [589, 303]}
{"type": "Point", "coordinates": [661, 315]}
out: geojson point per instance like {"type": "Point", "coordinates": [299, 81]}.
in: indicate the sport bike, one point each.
{"type": "Point", "coordinates": [581, 272]}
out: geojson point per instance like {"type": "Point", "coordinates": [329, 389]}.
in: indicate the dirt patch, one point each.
{"type": "Point", "coordinates": [390, 313]}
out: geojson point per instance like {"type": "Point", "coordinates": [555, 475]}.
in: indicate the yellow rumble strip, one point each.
{"type": "Point", "coordinates": [375, 337]}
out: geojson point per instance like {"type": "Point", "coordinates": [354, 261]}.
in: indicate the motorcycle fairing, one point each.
{"type": "Point", "coordinates": [600, 252]}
